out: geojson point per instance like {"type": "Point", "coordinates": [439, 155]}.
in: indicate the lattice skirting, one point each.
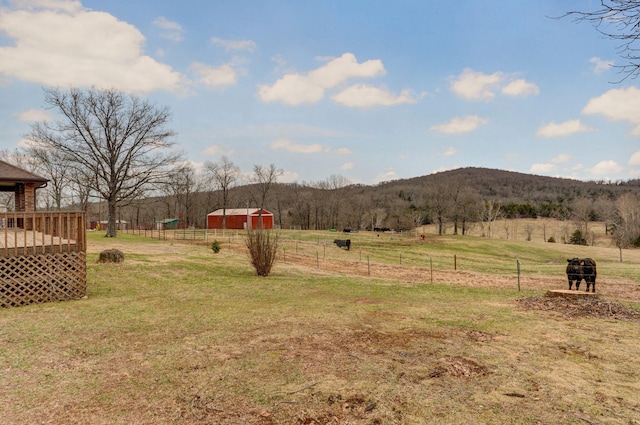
{"type": "Point", "coordinates": [42, 278]}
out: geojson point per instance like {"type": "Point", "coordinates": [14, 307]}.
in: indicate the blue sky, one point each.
{"type": "Point", "coordinates": [370, 90]}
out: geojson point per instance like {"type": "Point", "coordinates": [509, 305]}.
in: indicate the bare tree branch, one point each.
{"type": "Point", "coordinates": [118, 141]}
{"type": "Point", "coordinates": [618, 20]}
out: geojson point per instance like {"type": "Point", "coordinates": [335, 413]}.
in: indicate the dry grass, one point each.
{"type": "Point", "coordinates": [178, 335]}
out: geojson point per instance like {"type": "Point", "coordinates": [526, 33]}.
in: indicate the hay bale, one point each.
{"type": "Point", "coordinates": [111, 256]}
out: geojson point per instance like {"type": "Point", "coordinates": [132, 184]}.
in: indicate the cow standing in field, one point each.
{"type": "Point", "coordinates": [582, 268]}
{"type": "Point", "coordinates": [343, 243]}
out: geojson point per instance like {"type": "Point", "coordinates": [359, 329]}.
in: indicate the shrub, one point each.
{"type": "Point", "coordinates": [263, 246]}
{"type": "Point", "coordinates": [551, 239]}
{"type": "Point", "coordinates": [111, 256]}
{"type": "Point", "coordinates": [577, 238]}
{"type": "Point", "coordinates": [215, 246]}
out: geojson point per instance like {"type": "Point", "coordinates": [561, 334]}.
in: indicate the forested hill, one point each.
{"type": "Point", "coordinates": [514, 187]}
{"type": "Point", "coordinates": [461, 194]}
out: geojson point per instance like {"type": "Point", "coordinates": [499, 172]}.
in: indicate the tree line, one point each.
{"type": "Point", "coordinates": [113, 156]}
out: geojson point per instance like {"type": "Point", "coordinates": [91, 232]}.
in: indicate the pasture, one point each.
{"type": "Point", "coordinates": [389, 332]}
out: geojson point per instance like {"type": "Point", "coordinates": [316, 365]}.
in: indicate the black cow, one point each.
{"type": "Point", "coordinates": [343, 243]}
{"type": "Point", "coordinates": [582, 268]}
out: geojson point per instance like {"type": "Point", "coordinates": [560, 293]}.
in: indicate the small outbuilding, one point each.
{"type": "Point", "coordinates": [241, 218]}
{"type": "Point", "coordinates": [167, 224]}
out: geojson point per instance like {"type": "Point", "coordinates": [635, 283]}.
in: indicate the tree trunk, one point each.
{"type": "Point", "coordinates": [111, 219]}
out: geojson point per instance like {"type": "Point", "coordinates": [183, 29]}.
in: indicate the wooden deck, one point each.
{"type": "Point", "coordinates": [20, 241]}
{"type": "Point", "coordinates": [42, 257]}
{"type": "Point", "coordinates": [41, 233]}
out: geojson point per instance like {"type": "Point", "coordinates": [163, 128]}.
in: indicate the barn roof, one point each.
{"type": "Point", "coordinates": [10, 175]}
{"type": "Point", "coordinates": [240, 211]}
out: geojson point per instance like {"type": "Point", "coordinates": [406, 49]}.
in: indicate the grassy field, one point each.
{"type": "Point", "coordinates": [179, 335]}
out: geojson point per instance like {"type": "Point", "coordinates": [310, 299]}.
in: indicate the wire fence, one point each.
{"type": "Point", "coordinates": [369, 254]}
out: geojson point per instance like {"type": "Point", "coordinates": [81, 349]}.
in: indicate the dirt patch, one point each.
{"type": "Point", "coordinates": [458, 367]}
{"type": "Point", "coordinates": [580, 307]}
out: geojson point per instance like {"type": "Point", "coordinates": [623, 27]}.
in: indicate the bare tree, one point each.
{"type": "Point", "coordinates": [180, 190]}
{"type": "Point", "coordinates": [264, 178]}
{"type": "Point", "coordinates": [626, 221]}
{"type": "Point", "coordinates": [618, 20]}
{"type": "Point", "coordinates": [119, 139]}
{"type": "Point", "coordinates": [440, 202]}
{"type": "Point", "coordinates": [225, 175]}
{"type": "Point", "coordinates": [52, 165]}
{"type": "Point", "coordinates": [489, 213]}
{"type": "Point", "coordinates": [582, 209]}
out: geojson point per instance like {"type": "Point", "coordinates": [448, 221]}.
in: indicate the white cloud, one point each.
{"type": "Point", "coordinates": [275, 131]}
{"type": "Point", "coordinates": [172, 30]}
{"type": "Point", "coordinates": [61, 5]}
{"type": "Point", "coordinates": [249, 45]}
{"type": "Point", "coordinates": [218, 150]}
{"type": "Point", "coordinates": [460, 125]}
{"type": "Point", "coordinates": [618, 105]}
{"type": "Point", "coordinates": [450, 151]}
{"type": "Point", "coordinates": [542, 168]}
{"type": "Point", "coordinates": [476, 85]}
{"type": "Point", "coordinates": [545, 168]}
{"type": "Point", "coordinates": [63, 44]}
{"type": "Point", "coordinates": [287, 145]}
{"type": "Point", "coordinates": [600, 65]}
{"type": "Point", "coordinates": [562, 158]}
{"type": "Point", "coordinates": [520, 88]}
{"type": "Point", "coordinates": [347, 166]}
{"type": "Point", "coordinates": [34, 115]}
{"type": "Point", "coordinates": [288, 177]}
{"type": "Point", "coordinates": [608, 167]}
{"type": "Point", "coordinates": [563, 129]}
{"type": "Point", "coordinates": [635, 159]}
{"type": "Point", "coordinates": [388, 175]}
{"type": "Point", "coordinates": [342, 151]}
{"type": "Point", "coordinates": [296, 89]}
{"type": "Point", "coordinates": [215, 76]}
{"type": "Point", "coordinates": [366, 96]}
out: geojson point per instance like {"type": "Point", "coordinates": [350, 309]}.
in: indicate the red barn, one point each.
{"type": "Point", "coordinates": [237, 218]}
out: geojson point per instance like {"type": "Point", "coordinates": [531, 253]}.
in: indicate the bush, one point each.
{"type": "Point", "coordinates": [577, 238]}
{"type": "Point", "coordinates": [263, 246]}
{"type": "Point", "coordinates": [111, 256]}
{"type": "Point", "coordinates": [215, 246]}
{"type": "Point", "coordinates": [551, 239]}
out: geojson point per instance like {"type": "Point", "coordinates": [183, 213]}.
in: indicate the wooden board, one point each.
{"type": "Point", "coordinates": [568, 293]}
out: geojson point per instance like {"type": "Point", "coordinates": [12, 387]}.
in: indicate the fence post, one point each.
{"type": "Point", "coordinates": [431, 268]}
{"type": "Point", "coordinates": [400, 258]}
{"type": "Point", "coordinates": [455, 262]}
{"type": "Point", "coordinates": [368, 267]}
{"type": "Point", "coordinates": [518, 267]}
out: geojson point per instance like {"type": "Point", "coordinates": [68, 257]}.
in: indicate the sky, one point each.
{"type": "Point", "coordinates": [365, 89]}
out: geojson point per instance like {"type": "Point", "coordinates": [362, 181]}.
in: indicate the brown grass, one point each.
{"type": "Point", "coordinates": [178, 335]}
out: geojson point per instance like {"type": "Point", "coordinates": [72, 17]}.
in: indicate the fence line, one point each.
{"type": "Point", "coordinates": [318, 250]}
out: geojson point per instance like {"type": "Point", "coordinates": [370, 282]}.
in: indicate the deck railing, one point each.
{"type": "Point", "coordinates": [28, 233]}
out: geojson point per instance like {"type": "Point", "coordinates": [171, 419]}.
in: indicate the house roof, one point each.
{"type": "Point", "coordinates": [240, 211]}
{"type": "Point", "coordinates": [168, 220]}
{"type": "Point", "coordinates": [10, 175]}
